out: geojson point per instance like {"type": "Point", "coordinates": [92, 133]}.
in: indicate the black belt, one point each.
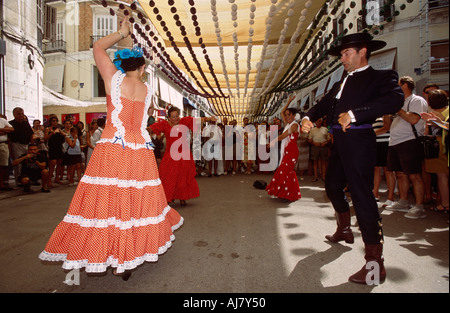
{"type": "Point", "coordinates": [353, 126]}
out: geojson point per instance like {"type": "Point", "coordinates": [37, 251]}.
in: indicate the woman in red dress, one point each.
{"type": "Point", "coordinates": [119, 216]}
{"type": "Point", "coordinates": [177, 168]}
{"type": "Point", "coordinates": [285, 184]}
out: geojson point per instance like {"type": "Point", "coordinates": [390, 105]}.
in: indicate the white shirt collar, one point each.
{"type": "Point", "coordinates": [361, 69]}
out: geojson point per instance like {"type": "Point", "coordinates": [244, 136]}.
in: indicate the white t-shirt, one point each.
{"type": "Point", "coordinates": [401, 130]}
{"type": "Point", "coordinates": [319, 135]}
{"type": "Point", "coordinates": [96, 136]}
{"type": "Point", "coordinates": [3, 124]}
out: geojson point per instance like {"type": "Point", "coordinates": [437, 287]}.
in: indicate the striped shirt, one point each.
{"type": "Point", "coordinates": [378, 125]}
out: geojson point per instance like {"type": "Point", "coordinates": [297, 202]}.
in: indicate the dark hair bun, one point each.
{"type": "Point", "coordinates": [132, 64]}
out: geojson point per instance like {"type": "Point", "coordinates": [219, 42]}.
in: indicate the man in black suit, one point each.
{"type": "Point", "coordinates": [351, 107]}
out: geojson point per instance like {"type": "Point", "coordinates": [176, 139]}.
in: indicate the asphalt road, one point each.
{"type": "Point", "coordinates": [235, 239]}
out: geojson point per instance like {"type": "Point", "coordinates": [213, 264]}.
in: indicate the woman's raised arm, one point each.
{"type": "Point", "coordinates": [104, 64]}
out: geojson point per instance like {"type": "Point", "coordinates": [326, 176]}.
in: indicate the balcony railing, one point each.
{"type": "Point", "coordinates": [96, 38]}
{"type": "Point", "coordinates": [53, 1]}
{"type": "Point", "coordinates": [54, 46]}
{"type": "Point", "coordinates": [439, 65]}
{"type": "Point", "coordinates": [437, 4]}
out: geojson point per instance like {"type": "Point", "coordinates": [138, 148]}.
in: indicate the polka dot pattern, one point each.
{"type": "Point", "coordinates": [285, 184]}
{"type": "Point", "coordinates": [119, 215]}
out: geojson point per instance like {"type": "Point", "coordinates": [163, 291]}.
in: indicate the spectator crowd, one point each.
{"type": "Point", "coordinates": [59, 151]}
{"type": "Point", "coordinates": [54, 153]}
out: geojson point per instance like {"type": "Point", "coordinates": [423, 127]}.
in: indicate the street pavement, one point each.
{"type": "Point", "coordinates": [236, 239]}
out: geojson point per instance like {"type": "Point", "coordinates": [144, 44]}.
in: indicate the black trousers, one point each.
{"type": "Point", "coordinates": [352, 162]}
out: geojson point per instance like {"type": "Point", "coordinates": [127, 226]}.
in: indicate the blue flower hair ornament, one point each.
{"type": "Point", "coordinates": [125, 54]}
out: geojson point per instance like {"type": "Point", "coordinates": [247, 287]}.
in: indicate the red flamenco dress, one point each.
{"type": "Point", "coordinates": [119, 215]}
{"type": "Point", "coordinates": [177, 168]}
{"type": "Point", "coordinates": [285, 184]}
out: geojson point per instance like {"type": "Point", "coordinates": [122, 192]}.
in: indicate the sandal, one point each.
{"type": "Point", "coordinates": [315, 179]}
{"type": "Point", "coordinates": [441, 208]}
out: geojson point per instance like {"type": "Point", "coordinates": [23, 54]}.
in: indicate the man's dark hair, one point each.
{"type": "Point", "coordinates": [101, 122]}
{"type": "Point", "coordinates": [368, 54]}
{"type": "Point", "coordinates": [409, 81]}
{"type": "Point", "coordinates": [430, 85]}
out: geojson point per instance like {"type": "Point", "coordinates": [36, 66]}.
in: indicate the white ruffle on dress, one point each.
{"type": "Point", "coordinates": [119, 215]}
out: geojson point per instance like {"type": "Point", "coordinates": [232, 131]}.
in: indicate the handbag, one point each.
{"type": "Point", "coordinates": [429, 143]}
{"type": "Point", "coordinates": [431, 147]}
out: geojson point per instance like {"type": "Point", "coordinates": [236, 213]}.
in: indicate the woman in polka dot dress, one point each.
{"type": "Point", "coordinates": [285, 184]}
{"type": "Point", "coordinates": [119, 216]}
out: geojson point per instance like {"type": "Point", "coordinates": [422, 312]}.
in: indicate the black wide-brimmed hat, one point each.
{"type": "Point", "coordinates": [357, 40]}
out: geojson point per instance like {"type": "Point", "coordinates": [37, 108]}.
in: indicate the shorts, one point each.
{"type": "Point", "coordinates": [70, 159]}
{"type": "Point", "coordinates": [382, 153]}
{"type": "Point", "coordinates": [319, 153]}
{"type": "Point", "coordinates": [405, 157]}
{"type": "Point", "coordinates": [55, 155]}
{"type": "Point", "coordinates": [33, 175]}
{"type": "Point", "coordinates": [4, 154]}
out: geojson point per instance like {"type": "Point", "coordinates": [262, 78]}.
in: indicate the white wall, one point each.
{"type": "Point", "coordinates": [23, 85]}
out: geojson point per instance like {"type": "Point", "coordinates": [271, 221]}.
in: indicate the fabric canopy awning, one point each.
{"type": "Point", "coordinates": [233, 50]}
{"type": "Point", "coordinates": [384, 60]}
{"type": "Point", "coordinates": [322, 87]}
{"type": "Point", "coordinates": [304, 100]}
{"type": "Point", "coordinates": [54, 77]}
{"type": "Point", "coordinates": [186, 101]}
{"type": "Point", "coordinates": [170, 95]}
{"type": "Point", "coordinates": [335, 77]}
{"type": "Point", "coordinates": [50, 97]}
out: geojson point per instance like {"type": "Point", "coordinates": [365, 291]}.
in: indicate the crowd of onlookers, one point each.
{"type": "Point", "coordinates": [58, 152]}
{"type": "Point", "coordinates": [407, 167]}
{"type": "Point", "coordinates": [426, 179]}
{"type": "Point", "coordinates": [313, 148]}
{"type": "Point", "coordinates": [54, 153]}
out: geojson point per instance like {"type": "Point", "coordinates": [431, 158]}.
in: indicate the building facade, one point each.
{"type": "Point", "coordinates": [72, 83]}
{"type": "Point", "coordinates": [47, 66]}
{"type": "Point", "coordinates": [417, 36]}
{"type": "Point", "coordinates": [21, 58]}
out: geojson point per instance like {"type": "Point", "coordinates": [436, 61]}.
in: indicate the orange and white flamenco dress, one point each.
{"type": "Point", "coordinates": [119, 216]}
